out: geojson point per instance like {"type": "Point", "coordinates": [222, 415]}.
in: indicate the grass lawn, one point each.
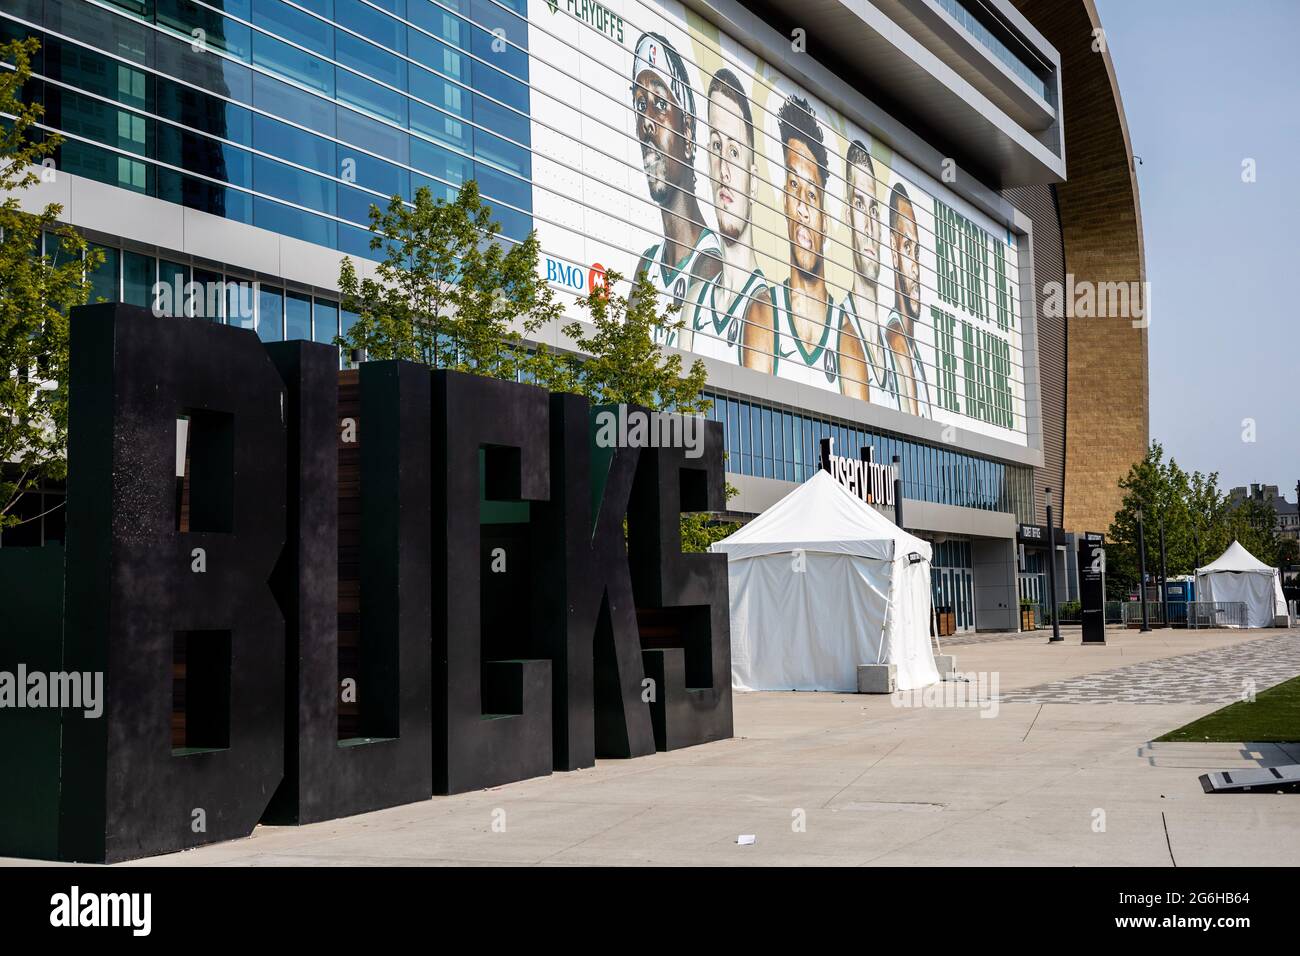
{"type": "Point", "coordinates": [1274, 717]}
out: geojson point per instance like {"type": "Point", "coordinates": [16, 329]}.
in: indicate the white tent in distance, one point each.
{"type": "Point", "coordinates": [1237, 575]}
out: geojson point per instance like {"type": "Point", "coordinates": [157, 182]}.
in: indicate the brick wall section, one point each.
{"type": "Point", "coordinates": [1039, 204]}
{"type": "Point", "coordinates": [1101, 228]}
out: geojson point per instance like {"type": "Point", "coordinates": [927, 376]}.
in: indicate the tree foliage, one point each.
{"type": "Point", "coordinates": [1199, 523]}
{"type": "Point", "coordinates": [626, 365]}
{"type": "Point", "coordinates": [36, 292]}
{"type": "Point", "coordinates": [448, 293]}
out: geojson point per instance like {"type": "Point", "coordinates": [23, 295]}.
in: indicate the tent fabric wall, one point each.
{"type": "Point", "coordinates": [909, 611]}
{"type": "Point", "coordinates": [809, 629]}
{"type": "Point", "coordinates": [820, 583]}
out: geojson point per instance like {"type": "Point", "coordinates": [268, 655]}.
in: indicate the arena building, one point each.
{"type": "Point", "coordinates": [874, 215]}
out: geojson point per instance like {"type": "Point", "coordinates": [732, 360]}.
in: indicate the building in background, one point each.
{"type": "Point", "coordinates": [1288, 514]}
{"type": "Point", "coordinates": [871, 213]}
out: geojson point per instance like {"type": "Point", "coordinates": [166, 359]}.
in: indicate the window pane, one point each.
{"type": "Point", "coordinates": [137, 279]}
{"type": "Point", "coordinates": [295, 26]}
{"type": "Point", "coordinates": [270, 315]}
{"type": "Point", "coordinates": [375, 136]}
{"type": "Point", "coordinates": [204, 156]}
{"type": "Point", "coordinates": [104, 278]}
{"type": "Point", "coordinates": [289, 142]}
{"type": "Point", "coordinates": [196, 109]}
{"type": "Point", "coordinates": [507, 155]}
{"type": "Point", "coordinates": [370, 60]}
{"type": "Point", "coordinates": [293, 185]}
{"type": "Point", "coordinates": [241, 303]}
{"type": "Point", "coordinates": [294, 222]}
{"type": "Point", "coordinates": [431, 16]}
{"type": "Point", "coordinates": [326, 323]}
{"type": "Point", "coordinates": [503, 187]}
{"type": "Point", "coordinates": [511, 56]}
{"type": "Point", "coordinates": [778, 445]}
{"type": "Point", "coordinates": [221, 34]}
{"type": "Point", "coordinates": [291, 103]}
{"type": "Point", "coordinates": [208, 295]}
{"type": "Point", "coordinates": [370, 96]}
{"type": "Point", "coordinates": [369, 22]}
{"type": "Point", "coordinates": [293, 63]}
{"type": "Point", "coordinates": [439, 57]}
{"type": "Point", "coordinates": [174, 299]}
{"type": "Point", "coordinates": [297, 317]}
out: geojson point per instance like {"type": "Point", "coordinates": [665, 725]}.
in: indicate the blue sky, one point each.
{"type": "Point", "coordinates": [1205, 86]}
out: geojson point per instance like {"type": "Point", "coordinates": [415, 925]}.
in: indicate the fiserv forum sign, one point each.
{"type": "Point", "coordinates": [575, 640]}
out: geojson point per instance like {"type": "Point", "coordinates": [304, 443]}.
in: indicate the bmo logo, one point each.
{"type": "Point", "coordinates": [571, 277]}
{"type": "Point", "coordinates": [576, 278]}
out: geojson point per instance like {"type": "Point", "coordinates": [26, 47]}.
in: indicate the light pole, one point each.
{"type": "Point", "coordinates": [1164, 589]}
{"type": "Point", "coordinates": [1051, 567]}
{"type": "Point", "coordinates": [898, 491]}
{"type": "Point", "coordinates": [1142, 585]}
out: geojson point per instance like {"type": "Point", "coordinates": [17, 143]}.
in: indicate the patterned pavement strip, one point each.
{"type": "Point", "coordinates": [990, 637]}
{"type": "Point", "coordinates": [1216, 676]}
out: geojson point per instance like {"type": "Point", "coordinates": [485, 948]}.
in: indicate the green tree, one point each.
{"type": "Point", "coordinates": [626, 365]}
{"type": "Point", "coordinates": [1191, 507]}
{"type": "Point", "coordinates": [1254, 524]}
{"type": "Point", "coordinates": [1199, 521]}
{"type": "Point", "coordinates": [448, 292]}
{"type": "Point", "coordinates": [35, 296]}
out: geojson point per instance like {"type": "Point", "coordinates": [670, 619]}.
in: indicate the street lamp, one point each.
{"type": "Point", "coordinates": [1164, 589]}
{"type": "Point", "coordinates": [1142, 585]}
{"type": "Point", "coordinates": [1051, 567]}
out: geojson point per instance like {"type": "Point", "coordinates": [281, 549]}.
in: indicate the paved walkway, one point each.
{"type": "Point", "coordinates": [988, 637]}
{"type": "Point", "coordinates": [857, 780]}
{"type": "Point", "coordinates": [1208, 677]}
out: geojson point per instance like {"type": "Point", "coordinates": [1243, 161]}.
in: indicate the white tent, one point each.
{"type": "Point", "coordinates": [820, 583]}
{"type": "Point", "coordinates": [1237, 575]}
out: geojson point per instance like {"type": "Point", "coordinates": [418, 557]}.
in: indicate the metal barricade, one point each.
{"type": "Point", "coordinates": [1216, 614]}
{"type": "Point", "coordinates": [1133, 614]}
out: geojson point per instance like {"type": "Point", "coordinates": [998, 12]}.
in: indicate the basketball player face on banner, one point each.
{"type": "Point", "coordinates": [667, 148]}
{"type": "Point", "coordinates": [904, 241]}
{"type": "Point", "coordinates": [858, 324]}
{"type": "Point", "coordinates": [804, 211]}
{"type": "Point", "coordinates": [905, 250]}
{"type": "Point", "coordinates": [864, 219]}
{"type": "Point", "coordinates": [664, 105]}
{"type": "Point", "coordinates": [740, 292]}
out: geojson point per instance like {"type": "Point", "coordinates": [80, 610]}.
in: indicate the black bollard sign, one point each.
{"type": "Point", "coordinates": [1092, 587]}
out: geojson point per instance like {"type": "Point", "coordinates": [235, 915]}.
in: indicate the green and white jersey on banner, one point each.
{"type": "Point", "coordinates": [674, 281]}
{"type": "Point", "coordinates": [917, 370]}
{"type": "Point", "coordinates": [882, 385]}
{"type": "Point", "coordinates": [720, 335]}
{"type": "Point", "coordinates": [820, 366]}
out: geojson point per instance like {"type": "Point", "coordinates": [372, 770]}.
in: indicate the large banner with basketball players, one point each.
{"type": "Point", "coordinates": [794, 243]}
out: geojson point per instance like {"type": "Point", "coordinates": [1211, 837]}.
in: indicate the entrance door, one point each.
{"type": "Point", "coordinates": [955, 588]}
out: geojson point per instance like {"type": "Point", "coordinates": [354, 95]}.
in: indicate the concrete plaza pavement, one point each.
{"type": "Point", "coordinates": [845, 779]}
